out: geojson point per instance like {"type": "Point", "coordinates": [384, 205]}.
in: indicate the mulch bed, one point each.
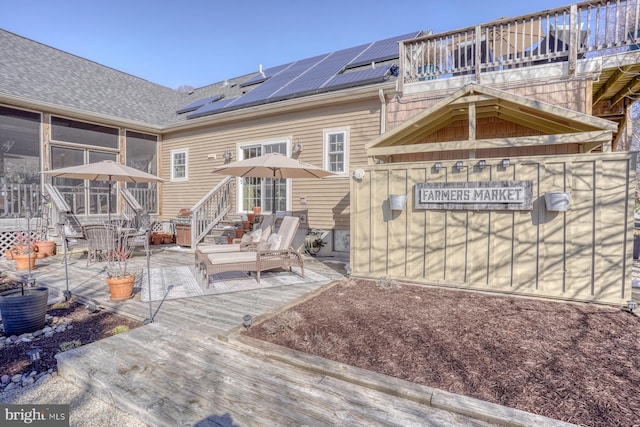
{"type": "Point", "coordinates": [578, 363]}
{"type": "Point", "coordinates": [87, 327]}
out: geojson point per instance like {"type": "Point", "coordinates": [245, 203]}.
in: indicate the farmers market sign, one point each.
{"type": "Point", "coordinates": [491, 195]}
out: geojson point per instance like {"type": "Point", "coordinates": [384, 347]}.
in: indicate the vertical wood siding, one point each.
{"type": "Point", "coordinates": [583, 254]}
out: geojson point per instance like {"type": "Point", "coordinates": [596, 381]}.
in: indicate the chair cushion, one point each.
{"type": "Point", "coordinates": [274, 241]}
{"type": "Point", "coordinates": [231, 257]}
{"type": "Point", "coordinates": [212, 249]}
{"type": "Point", "coordinates": [253, 237]}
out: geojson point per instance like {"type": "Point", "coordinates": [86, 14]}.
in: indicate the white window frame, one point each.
{"type": "Point", "coordinates": [240, 146]}
{"type": "Point", "coordinates": [326, 133]}
{"type": "Point", "coordinates": [184, 151]}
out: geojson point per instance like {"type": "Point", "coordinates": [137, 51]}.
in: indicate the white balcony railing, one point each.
{"type": "Point", "coordinates": [565, 34]}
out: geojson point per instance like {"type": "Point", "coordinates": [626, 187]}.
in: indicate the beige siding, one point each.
{"type": "Point", "coordinates": [570, 94]}
{"type": "Point", "coordinates": [583, 254]}
{"type": "Point", "coordinates": [327, 200]}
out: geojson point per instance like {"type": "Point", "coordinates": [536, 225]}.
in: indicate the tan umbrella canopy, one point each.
{"type": "Point", "coordinates": [107, 170]}
{"type": "Point", "coordinates": [272, 165]}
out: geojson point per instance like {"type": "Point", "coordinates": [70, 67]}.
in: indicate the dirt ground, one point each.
{"type": "Point", "coordinates": [87, 327]}
{"type": "Point", "coordinates": [578, 363]}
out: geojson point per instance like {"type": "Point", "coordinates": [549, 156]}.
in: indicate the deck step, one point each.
{"type": "Point", "coordinates": [190, 378]}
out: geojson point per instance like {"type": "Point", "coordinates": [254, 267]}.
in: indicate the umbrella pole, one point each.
{"type": "Point", "coordinates": [109, 204]}
{"type": "Point", "coordinates": [273, 183]}
{"type": "Point", "coordinates": [146, 249]}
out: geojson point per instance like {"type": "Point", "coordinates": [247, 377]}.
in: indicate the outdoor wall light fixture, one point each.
{"type": "Point", "coordinates": [482, 164]}
{"type": "Point", "coordinates": [297, 148]}
{"type": "Point", "coordinates": [358, 174]}
{"type": "Point", "coordinates": [437, 166]}
{"type": "Point", "coordinates": [505, 163]}
{"type": "Point", "coordinates": [228, 155]}
{"type": "Point", "coordinates": [459, 164]}
{"type": "Point", "coordinates": [631, 304]}
{"type": "Point", "coordinates": [246, 321]}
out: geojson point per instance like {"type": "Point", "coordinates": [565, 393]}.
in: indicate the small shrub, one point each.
{"type": "Point", "coordinates": [385, 282]}
{"type": "Point", "coordinates": [61, 305]}
{"type": "Point", "coordinates": [119, 329]}
{"type": "Point", "coordinates": [68, 345]}
{"type": "Point", "coordinates": [284, 324]}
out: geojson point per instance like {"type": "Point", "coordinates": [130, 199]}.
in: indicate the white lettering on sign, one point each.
{"type": "Point", "coordinates": [472, 195]}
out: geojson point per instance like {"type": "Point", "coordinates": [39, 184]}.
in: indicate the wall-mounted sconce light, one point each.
{"type": "Point", "coordinates": [482, 164]}
{"type": "Point", "coordinates": [437, 166]}
{"type": "Point", "coordinates": [297, 148]}
{"type": "Point", "coordinates": [228, 155]}
{"type": "Point", "coordinates": [459, 164]}
{"type": "Point", "coordinates": [397, 202]}
{"type": "Point", "coordinates": [505, 163]}
{"type": "Point", "coordinates": [358, 174]}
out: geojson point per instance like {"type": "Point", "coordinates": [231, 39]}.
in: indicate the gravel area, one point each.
{"type": "Point", "coordinates": [85, 409]}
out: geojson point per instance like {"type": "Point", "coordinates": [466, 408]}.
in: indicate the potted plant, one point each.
{"type": "Point", "coordinates": [120, 280]}
{"type": "Point", "coordinates": [23, 251]}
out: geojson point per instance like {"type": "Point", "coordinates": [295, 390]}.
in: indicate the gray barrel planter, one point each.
{"type": "Point", "coordinates": [23, 313]}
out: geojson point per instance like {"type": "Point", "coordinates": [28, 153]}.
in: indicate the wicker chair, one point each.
{"type": "Point", "coordinates": [101, 240]}
{"type": "Point", "coordinates": [261, 259]}
{"type": "Point", "coordinates": [203, 250]}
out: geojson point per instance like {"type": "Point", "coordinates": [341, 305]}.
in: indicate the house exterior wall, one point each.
{"type": "Point", "coordinates": [325, 202]}
{"type": "Point", "coordinates": [583, 254]}
{"type": "Point", "coordinates": [570, 94]}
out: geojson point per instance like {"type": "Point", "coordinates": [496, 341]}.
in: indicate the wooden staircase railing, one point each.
{"type": "Point", "coordinates": [211, 209]}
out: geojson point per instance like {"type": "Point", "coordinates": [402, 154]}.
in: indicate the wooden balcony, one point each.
{"type": "Point", "coordinates": [599, 38]}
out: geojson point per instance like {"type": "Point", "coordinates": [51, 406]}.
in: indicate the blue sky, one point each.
{"type": "Point", "coordinates": [202, 42]}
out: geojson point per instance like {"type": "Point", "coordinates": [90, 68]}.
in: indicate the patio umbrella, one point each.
{"type": "Point", "coordinates": [107, 170]}
{"type": "Point", "coordinates": [275, 166]}
{"type": "Point", "coordinates": [110, 171]}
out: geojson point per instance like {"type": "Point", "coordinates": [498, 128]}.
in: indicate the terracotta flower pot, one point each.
{"type": "Point", "coordinates": [157, 239]}
{"type": "Point", "coordinates": [23, 261]}
{"type": "Point", "coordinates": [46, 247]}
{"type": "Point", "coordinates": [167, 238]}
{"type": "Point", "coordinates": [8, 254]}
{"type": "Point", "coordinates": [246, 225]}
{"type": "Point", "coordinates": [121, 288]}
{"type": "Point", "coordinates": [238, 232]}
{"type": "Point", "coordinates": [256, 210]}
{"type": "Point", "coordinates": [251, 217]}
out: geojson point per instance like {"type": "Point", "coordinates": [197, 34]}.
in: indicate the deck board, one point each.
{"type": "Point", "coordinates": [176, 371]}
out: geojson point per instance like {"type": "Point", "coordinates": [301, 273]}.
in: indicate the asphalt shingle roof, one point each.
{"type": "Point", "coordinates": [43, 74]}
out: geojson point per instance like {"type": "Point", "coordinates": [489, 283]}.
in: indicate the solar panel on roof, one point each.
{"type": "Point", "coordinates": [321, 73]}
{"type": "Point", "coordinates": [211, 108]}
{"type": "Point", "coordinates": [354, 78]}
{"type": "Point", "coordinates": [259, 78]}
{"type": "Point", "coordinates": [382, 50]}
{"type": "Point", "coordinates": [199, 103]}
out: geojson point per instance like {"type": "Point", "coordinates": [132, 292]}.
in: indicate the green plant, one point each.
{"type": "Point", "coordinates": [68, 345]}
{"type": "Point", "coordinates": [119, 329]}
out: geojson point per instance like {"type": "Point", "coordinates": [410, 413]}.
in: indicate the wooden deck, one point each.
{"type": "Point", "coordinates": [186, 368]}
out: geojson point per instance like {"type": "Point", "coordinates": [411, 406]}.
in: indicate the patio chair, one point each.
{"type": "Point", "coordinates": [101, 239]}
{"type": "Point", "coordinates": [275, 253]}
{"type": "Point", "coordinates": [247, 243]}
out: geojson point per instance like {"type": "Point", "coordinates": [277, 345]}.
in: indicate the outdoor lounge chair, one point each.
{"type": "Point", "coordinates": [266, 226]}
{"type": "Point", "coordinates": [269, 255]}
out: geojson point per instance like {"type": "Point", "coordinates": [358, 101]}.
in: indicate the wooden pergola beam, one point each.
{"type": "Point", "coordinates": [594, 137]}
